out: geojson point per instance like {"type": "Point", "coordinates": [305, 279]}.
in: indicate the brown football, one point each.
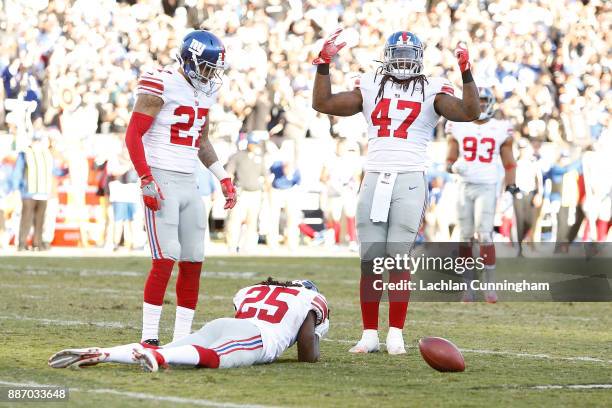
{"type": "Point", "coordinates": [441, 354]}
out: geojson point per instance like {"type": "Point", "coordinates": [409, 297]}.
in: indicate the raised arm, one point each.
{"type": "Point", "coordinates": [466, 109]}
{"type": "Point", "coordinates": [342, 103]}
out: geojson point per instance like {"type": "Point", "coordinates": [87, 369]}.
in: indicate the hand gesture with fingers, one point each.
{"type": "Point", "coordinates": [463, 57]}
{"type": "Point", "coordinates": [330, 49]}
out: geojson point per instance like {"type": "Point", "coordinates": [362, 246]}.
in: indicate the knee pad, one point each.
{"type": "Point", "coordinates": [466, 238]}
{"type": "Point", "coordinates": [368, 251]}
{"type": "Point", "coordinates": [171, 249]}
{"type": "Point", "coordinates": [401, 249]}
{"type": "Point", "coordinates": [194, 254]}
{"type": "Point", "coordinates": [484, 237]}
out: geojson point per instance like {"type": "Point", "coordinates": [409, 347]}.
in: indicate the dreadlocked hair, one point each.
{"type": "Point", "coordinates": [404, 84]}
{"type": "Point", "coordinates": [271, 282]}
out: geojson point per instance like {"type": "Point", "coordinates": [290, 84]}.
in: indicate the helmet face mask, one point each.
{"type": "Point", "coordinates": [487, 103]}
{"type": "Point", "coordinates": [307, 284]}
{"type": "Point", "coordinates": [207, 77]}
{"type": "Point", "coordinates": [403, 56]}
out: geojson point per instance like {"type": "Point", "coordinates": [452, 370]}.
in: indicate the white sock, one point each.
{"type": "Point", "coordinates": [186, 355]}
{"type": "Point", "coordinates": [370, 334]}
{"type": "Point", "coordinates": [150, 321]}
{"type": "Point", "coordinates": [394, 332]}
{"type": "Point", "coordinates": [182, 322]}
{"type": "Point", "coordinates": [121, 354]}
{"type": "Point", "coordinates": [489, 274]}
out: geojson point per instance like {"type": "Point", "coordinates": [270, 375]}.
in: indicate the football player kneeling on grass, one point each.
{"type": "Point", "coordinates": [270, 317]}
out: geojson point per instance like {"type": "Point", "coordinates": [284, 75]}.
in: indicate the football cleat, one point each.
{"type": "Point", "coordinates": [395, 341]}
{"type": "Point", "coordinates": [77, 358]}
{"type": "Point", "coordinates": [150, 342]}
{"type": "Point", "coordinates": [149, 360]}
{"type": "Point", "coordinates": [368, 343]}
{"type": "Point", "coordinates": [491, 296]}
{"type": "Point", "coordinates": [468, 296]}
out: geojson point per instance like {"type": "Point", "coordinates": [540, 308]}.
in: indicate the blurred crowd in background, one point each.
{"type": "Point", "coordinates": [69, 70]}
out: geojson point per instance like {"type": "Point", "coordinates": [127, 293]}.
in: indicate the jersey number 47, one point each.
{"type": "Point", "coordinates": [380, 117]}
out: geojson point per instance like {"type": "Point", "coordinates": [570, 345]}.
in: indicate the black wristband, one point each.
{"type": "Point", "coordinates": [467, 76]}
{"type": "Point", "coordinates": [323, 69]}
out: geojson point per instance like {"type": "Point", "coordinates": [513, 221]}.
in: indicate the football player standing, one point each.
{"type": "Point", "coordinates": [401, 107]}
{"type": "Point", "coordinates": [166, 136]}
{"type": "Point", "coordinates": [474, 151]}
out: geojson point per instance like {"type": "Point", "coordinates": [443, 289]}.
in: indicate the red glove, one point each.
{"type": "Point", "coordinates": [329, 49]}
{"type": "Point", "coordinates": [463, 57]}
{"type": "Point", "coordinates": [229, 192]}
{"type": "Point", "coordinates": [151, 193]}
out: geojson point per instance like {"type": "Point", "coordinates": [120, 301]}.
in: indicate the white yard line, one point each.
{"type": "Point", "coordinates": [540, 356]}
{"type": "Point", "coordinates": [78, 289]}
{"type": "Point", "coordinates": [574, 387]}
{"type": "Point", "coordinates": [30, 270]}
{"type": "Point", "coordinates": [501, 353]}
{"type": "Point", "coordinates": [109, 291]}
{"type": "Point", "coordinates": [60, 322]}
{"type": "Point", "coordinates": [139, 395]}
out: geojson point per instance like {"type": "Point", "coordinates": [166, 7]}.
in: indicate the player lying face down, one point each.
{"type": "Point", "coordinates": [270, 317]}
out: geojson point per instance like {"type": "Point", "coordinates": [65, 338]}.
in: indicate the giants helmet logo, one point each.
{"type": "Point", "coordinates": [196, 47]}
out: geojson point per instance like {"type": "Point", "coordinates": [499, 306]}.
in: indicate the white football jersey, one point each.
{"type": "Point", "coordinates": [173, 140]}
{"type": "Point", "coordinates": [479, 147]}
{"type": "Point", "coordinates": [400, 124]}
{"type": "Point", "coordinates": [279, 312]}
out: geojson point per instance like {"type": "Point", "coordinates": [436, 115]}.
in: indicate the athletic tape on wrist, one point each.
{"type": "Point", "coordinates": [466, 76]}
{"type": "Point", "coordinates": [323, 69]}
{"type": "Point", "coordinates": [217, 169]}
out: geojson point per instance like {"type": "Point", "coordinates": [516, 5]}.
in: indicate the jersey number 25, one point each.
{"type": "Point", "coordinates": [380, 117]}
{"type": "Point", "coordinates": [264, 295]}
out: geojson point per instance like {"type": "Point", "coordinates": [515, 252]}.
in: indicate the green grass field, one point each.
{"type": "Point", "coordinates": [513, 351]}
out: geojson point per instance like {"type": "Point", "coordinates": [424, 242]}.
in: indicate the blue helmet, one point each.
{"type": "Point", "coordinates": [202, 56]}
{"type": "Point", "coordinates": [403, 56]}
{"type": "Point", "coordinates": [307, 284]}
{"type": "Point", "coordinates": [487, 102]}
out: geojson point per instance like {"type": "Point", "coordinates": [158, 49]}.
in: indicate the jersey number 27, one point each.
{"type": "Point", "coordinates": [380, 117]}
{"type": "Point", "coordinates": [176, 128]}
{"type": "Point", "coordinates": [265, 295]}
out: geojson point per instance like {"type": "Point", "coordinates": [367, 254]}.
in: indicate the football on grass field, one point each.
{"type": "Point", "coordinates": [441, 354]}
{"type": "Point", "coordinates": [101, 304]}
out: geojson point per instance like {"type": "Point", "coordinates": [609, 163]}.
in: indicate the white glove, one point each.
{"type": "Point", "coordinates": [459, 167]}
{"type": "Point", "coordinates": [322, 329]}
